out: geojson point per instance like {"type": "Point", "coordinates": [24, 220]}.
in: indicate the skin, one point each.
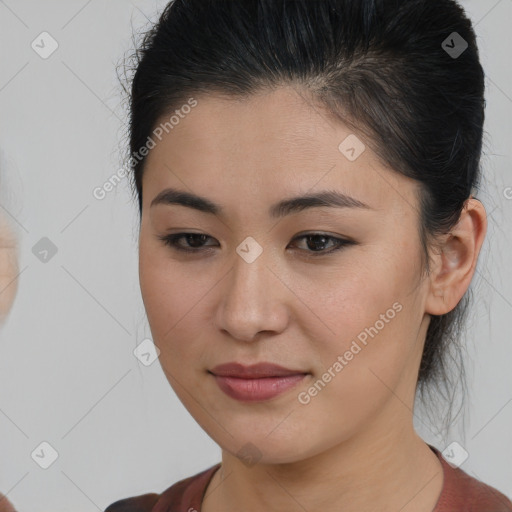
{"type": "Point", "coordinates": [5, 504]}
{"type": "Point", "coordinates": [353, 447]}
{"type": "Point", "coordinates": [8, 267]}
{"type": "Point", "coordinates": [8, 288]}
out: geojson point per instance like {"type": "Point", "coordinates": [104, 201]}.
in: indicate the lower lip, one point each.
{"type": "Point", "coordinates": [253, 390]}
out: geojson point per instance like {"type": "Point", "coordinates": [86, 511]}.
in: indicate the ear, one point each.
{"type": "Point", "coordinates": [8, 268]}
{"type": "Point", "coordinates": [456, 262]}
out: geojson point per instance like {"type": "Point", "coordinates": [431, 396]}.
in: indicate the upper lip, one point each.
{"type": "Point", "coordinates": [253, 371]}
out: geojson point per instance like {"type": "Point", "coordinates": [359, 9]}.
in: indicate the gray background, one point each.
{"type": "Point", "coordinates": [68, 375]}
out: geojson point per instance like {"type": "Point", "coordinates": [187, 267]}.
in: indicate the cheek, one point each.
{"type": "Point", "coordinates": [173, 301]}
{"type": "Point", "coordinates": [362, 368]}
{"type": "Point", "coordinates": [372, 323]}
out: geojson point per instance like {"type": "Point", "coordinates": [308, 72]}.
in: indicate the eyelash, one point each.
{"type": "Point", "coordinates": [172, 241]}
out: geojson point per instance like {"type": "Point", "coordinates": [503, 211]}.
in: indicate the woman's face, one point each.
{"type": "Point", "coordinates": [257, 290]}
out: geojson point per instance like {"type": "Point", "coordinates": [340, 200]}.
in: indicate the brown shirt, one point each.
{"type": "Point", "coordinates": [460, 493]}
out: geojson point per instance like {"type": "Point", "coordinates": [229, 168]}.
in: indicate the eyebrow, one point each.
{"type": "Point", "coordinates": [327, 198]}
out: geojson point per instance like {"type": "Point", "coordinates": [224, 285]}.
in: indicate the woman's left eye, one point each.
{"type": "Point", "coordinates": [319, 239]}
{"type": "Point", "coordinates": [313, 239]}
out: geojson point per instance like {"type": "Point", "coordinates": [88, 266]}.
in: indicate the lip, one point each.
{"type": "Point", "coordinates": [254, 371]}
{"type": "Point", "coordinates": [256, 382]}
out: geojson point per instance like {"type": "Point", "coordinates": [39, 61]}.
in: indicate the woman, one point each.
{"type": "Point", "coordinates": [260, 132]}
{"type": "Point", "coordinates": [305, 175]}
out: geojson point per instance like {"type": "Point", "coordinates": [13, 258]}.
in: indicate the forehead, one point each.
{"type": "Point", "coordinates": [275, 143]}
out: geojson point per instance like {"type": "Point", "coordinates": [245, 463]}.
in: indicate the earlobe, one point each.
{"type": "Point", "coordinates": [456, 262]}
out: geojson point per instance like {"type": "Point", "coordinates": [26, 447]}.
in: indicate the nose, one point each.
{"type": "Point", "coordinates": [253, 299]}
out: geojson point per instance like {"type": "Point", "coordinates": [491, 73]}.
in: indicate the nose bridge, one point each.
{"type": "Point", "coordinates": [248, 304]}
{"type": "Point", "coordinates": [250, 273]}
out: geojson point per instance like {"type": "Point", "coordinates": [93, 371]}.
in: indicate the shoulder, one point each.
{"type": "Point", "coordinates": [465, 493]}
{"type": "Point", "coordinates": [141, 503]}
{"type": "Point", "coordinates": [183, 495]}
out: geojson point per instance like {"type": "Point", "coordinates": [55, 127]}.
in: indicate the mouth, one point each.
{"type": "Point", "coordinates": [255, 383]}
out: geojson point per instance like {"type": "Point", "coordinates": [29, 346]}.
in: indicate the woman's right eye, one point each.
{"type": "Point", "coordinates": [172, 241]}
